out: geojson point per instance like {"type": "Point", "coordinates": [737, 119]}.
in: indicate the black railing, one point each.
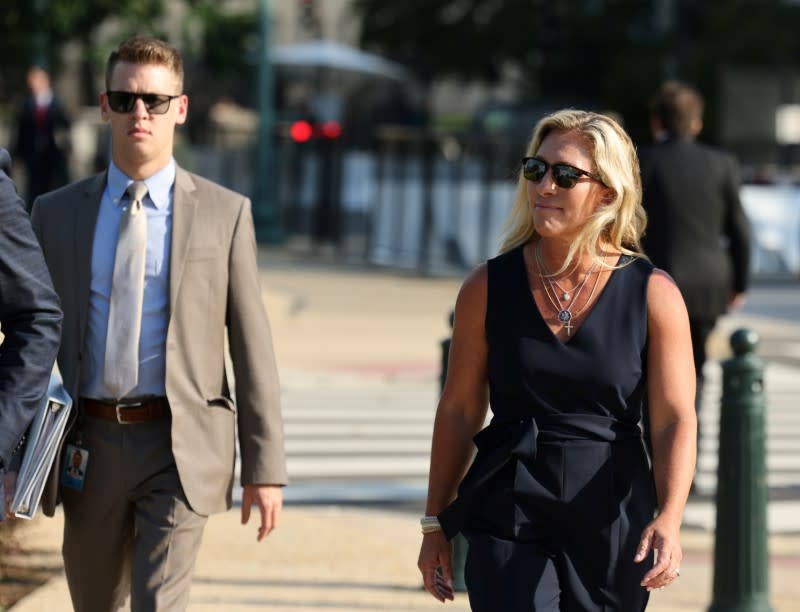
{"type": "Point", "coordinates": [428, 201]}
{"type": "Point", "coordinates": [418, 199]}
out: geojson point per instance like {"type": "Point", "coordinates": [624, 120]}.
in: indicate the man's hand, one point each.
{"type": "Point", "coordinates": [269, 499]}
{"type": "Point", "coordinates": [736, 301]}
{"type": "Point", "coordinates": [9, 488]}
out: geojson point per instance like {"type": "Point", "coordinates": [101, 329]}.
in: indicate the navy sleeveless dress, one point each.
{"type": "Point", "coordinates": [555, 502]}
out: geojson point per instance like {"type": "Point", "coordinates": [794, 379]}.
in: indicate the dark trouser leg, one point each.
{"type": "Point", "coordinates": [509, 576]}
{"type": "Point", "coordinates": [609, 498]}
{"type": "Point", "coordinates": [700, 329]}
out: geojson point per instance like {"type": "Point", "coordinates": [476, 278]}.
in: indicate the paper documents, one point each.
{"type": "Point", "coordinates": [41, 447]}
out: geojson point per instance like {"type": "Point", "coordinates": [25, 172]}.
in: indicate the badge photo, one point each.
{"type": "Point", "coordinates": [75, 461]}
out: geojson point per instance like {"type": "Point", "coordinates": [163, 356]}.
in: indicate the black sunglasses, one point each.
{"type": "Point", "coordinates": [125, 101]}
{"type": "Point", "coordinates": [564, 175]}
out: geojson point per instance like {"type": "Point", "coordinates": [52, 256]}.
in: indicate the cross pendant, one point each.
{"type": "Point", "coordinates": [568, 327]}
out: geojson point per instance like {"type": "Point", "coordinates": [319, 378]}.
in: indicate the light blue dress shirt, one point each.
{"type": "Point", "coordinates": [155, 310]}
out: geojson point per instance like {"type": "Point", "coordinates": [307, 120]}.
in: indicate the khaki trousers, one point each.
{"type": "Point", "coordinates": [130, 530]}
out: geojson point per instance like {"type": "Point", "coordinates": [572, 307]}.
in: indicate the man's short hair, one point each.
{"type": "Point", "coordinates": [144, 50]}
{"type": "Point", "coordinates": [677, 105]}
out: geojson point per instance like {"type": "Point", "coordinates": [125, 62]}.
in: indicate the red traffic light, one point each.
{"type": "Point", "coordinates": [301, 131]}
{"type": "Point", "coordinates": [331, 130]}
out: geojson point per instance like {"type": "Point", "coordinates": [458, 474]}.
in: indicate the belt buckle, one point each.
{"type": "Point", "coordinates": [121, 420]}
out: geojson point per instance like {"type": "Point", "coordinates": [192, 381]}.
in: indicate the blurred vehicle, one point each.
{"type": "Point", "coordinates": [774, 214]}
{"type": "Point", "coordinates": [508, 120]}
{"type": "Point", "coordinates": [499, 131]}
{"type": "Point", "coordinates": [332, 55]}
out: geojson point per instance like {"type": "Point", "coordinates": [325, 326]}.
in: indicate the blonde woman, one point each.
{"type": "Point", "coordinates": [564, 334]}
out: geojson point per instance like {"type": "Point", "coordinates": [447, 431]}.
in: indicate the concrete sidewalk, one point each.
{"type": "Point", "coordinates": [371, 323]}
{"type": "Point", "coordinates": [334, 558]}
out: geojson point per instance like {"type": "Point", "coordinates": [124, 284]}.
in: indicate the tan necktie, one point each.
{"type": "Point", "coordinates": [127, 294]}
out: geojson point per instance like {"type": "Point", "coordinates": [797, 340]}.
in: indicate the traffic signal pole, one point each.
{"type": "Point", "coordinates": [265, 214]}
{"type": "Point", "coordinates": [39, 36]}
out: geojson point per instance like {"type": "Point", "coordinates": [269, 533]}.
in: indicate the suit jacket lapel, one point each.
{"type": "Point", "coordinates": [184, 207]}
{"type": "Point", "coordinates": [85, 221]}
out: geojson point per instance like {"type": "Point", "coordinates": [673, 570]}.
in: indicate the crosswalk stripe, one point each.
{"type": "Point", "coordinates": [334, 446]}
{"type": "Point", "coordinates": [357, 429]}
{"type": "Point", "coordinates": [314, 467]}
{"type": "Point", "coordinates": [370, 441]}
{"type": "Point", "coordinates": [776, 445]}
{"type": "Point", "coordinates": [782, 427]}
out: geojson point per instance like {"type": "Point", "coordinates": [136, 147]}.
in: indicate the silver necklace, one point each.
{"type": "Point", "coordinates": [565, 293]}
{"type": "Point", "coordinates": [565, 314]}
{"type": "Point", "coordinates": [585, 305]}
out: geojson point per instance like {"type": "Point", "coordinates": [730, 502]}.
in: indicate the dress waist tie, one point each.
{"type": "Point", "coordinates": [505, 440]}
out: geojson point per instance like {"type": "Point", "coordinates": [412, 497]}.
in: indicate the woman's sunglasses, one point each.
{"type": "Point", "coordinates": [564, 175]}
{"type": "Point", "coordinates": [125, 101]}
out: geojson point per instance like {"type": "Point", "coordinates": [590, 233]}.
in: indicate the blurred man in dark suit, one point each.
{"type": "Point", "coordinates": [30, 321]}
{"type": "Point", "coordinates": [42, 136]}
{"type": "Point", "coordinates": [697, 229]}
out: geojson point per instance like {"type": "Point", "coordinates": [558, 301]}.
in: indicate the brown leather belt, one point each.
{"type": "Point", "coordinates": [126, 413]}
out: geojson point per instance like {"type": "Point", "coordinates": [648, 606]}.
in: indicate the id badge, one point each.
{"type": "Point", "coordinates": [73, 473]}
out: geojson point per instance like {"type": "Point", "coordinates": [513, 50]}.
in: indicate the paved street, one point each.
{"type": "Point", "coordinates": [366, 440]}
{"type": "Point", "coordinates": [366, 443]}
{"type": "Point", "coordinates": [359, 353]}
{"type": "Point", "coordinates": [774, 309]}
{"type": "Point", "coordinates": [358, 429]}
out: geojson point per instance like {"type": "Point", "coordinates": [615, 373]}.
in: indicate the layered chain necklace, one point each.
{"type": "Point", "coordinates": [564, 309]}
{"type": "Point", "coordinates": [566, 293]}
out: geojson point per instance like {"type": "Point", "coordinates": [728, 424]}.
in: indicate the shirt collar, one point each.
{"type": "Point", "coordinates": [44, 98]}
{"type": "Point", "coordinates": [159, 185]}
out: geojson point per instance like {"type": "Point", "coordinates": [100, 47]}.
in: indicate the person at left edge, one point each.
{"type": "Point", "coordinates": [30, 322]}
{"type": "Point", "coordinates": [160, 457]}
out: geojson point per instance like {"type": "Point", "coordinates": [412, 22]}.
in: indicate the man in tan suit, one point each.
{"type": "Point", "coordinates": [160, 452]}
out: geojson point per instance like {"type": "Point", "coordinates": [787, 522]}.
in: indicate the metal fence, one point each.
{"type": "Point", "coordinates": [432, 202]}
{"type": "Point", "coordinates": [428, 201]}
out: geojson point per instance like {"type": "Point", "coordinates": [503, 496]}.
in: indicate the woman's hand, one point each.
{"type": "Point", "coordinates": [662, 536]}
{"type": "Point", "coordinates": [435, 563]}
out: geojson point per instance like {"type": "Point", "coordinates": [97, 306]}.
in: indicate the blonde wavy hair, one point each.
{"type": "Point", "coordinates": [618, 224]}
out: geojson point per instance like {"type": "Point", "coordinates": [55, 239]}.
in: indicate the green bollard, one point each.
{"type": "Point", "coordinates": [741, 565]}
{"type": "Point", "coordinates": [459, 560]}
{"type": "Point", "coordinates": [459, 542]}
{"type": "Point", "coordinates": [446, 353]}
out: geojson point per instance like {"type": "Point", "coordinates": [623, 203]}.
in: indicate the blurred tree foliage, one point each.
{"type": "Point", "coordinates": [211, 37]}
{"type": "Point", "coordinates": [607, 54]}
{"type": "Point", "coordinates": [53, 23]}
{"type": "Point", "coordinates": [65, 20]}
{"type": "Point", "coordinates": [229, 40]}
{"type": "Point", "coordinates": [220, 52]}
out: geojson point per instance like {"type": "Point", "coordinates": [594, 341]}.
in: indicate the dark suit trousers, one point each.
{"type": "Point", "coordinates": [130, 529]}
{"type": "Point", "coordinates": [701, 329]}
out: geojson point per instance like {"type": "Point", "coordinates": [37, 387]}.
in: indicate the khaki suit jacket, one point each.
{"type": "Point", "coordinates": [214, 292]}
